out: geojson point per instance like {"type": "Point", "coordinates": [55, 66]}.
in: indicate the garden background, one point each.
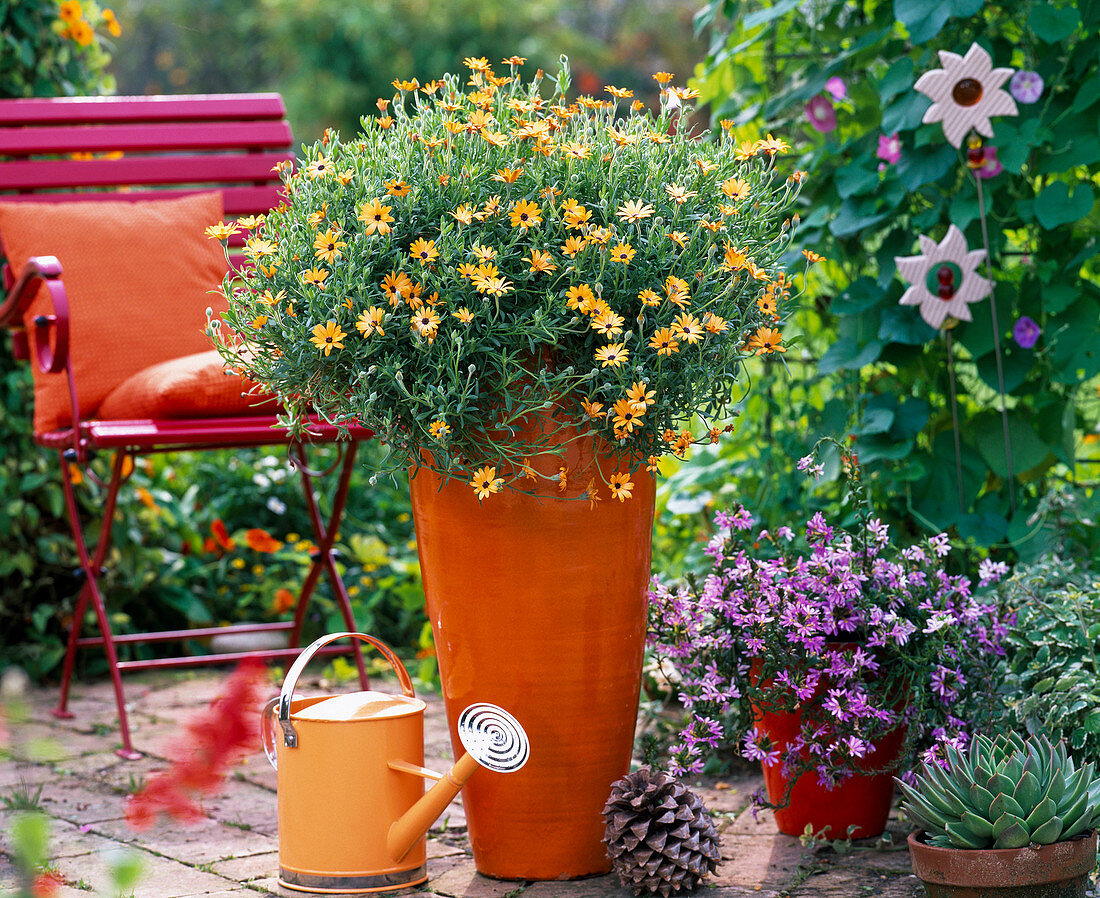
{"type": "Point", "coordinates": [216, 537]}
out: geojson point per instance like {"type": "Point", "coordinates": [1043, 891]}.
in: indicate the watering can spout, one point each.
{"type": "Point", "coordinates": [493, 739]}
{"type": "Point", "coordinates": [407, 830]}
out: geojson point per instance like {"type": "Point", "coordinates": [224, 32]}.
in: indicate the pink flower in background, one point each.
{"type": "Point", "coordinates": [836, 88]}
{"type": "Point", "coordinates": [1026, 332]}
{"type": "Point", "coordinates": [821, 114]}
{"type": "Point", "coordinates": [889, 148]}
{"type": "Point", "coordinates": [1026, 87]}
{"type": "Point", "coordinates": [991, 165]}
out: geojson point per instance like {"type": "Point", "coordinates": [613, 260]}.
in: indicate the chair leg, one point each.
{"type": "Point", "coordinates": [91, 566]}
{"type": "Point", "coordinates": [323, 558]}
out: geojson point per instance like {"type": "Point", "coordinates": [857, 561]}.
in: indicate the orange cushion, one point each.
{"type": "Point", "coordinates": [138, 276]}
{"type": "Point", "coordinates": [195, 386]}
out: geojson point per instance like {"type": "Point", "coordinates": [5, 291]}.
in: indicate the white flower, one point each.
{"type": "Point", "coordinates": [947, 265]}
{"type": "Point", "coordinates": [965, 93]}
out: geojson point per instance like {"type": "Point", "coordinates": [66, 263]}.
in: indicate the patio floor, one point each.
{"type": "Point", "coordinates": [234, 850]}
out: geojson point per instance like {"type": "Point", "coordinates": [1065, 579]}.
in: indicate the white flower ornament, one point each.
{"type": "Point", "coordinates": [965, 93]}
{"type": "Point", "coordinates": [944, 279]}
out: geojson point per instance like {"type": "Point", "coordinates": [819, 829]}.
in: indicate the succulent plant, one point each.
{"type": "Point", "coordinates": [1006, 792]}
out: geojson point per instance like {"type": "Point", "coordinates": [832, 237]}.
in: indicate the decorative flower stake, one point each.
{"type": "Point", "coordinates": [965, 94]}
{"type": "Point", "coordinates": [943, 279]}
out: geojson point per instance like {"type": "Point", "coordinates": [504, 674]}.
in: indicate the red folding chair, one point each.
{"type": "Point", "coordinates": [99, 149]}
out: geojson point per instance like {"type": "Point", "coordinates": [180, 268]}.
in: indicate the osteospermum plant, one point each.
{"type": "Point", "coordinates": [486, 274]}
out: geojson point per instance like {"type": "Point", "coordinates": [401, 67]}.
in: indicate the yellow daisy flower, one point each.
{"type": "Point", "coordinates": [612, 355]}
{"type": "Point", "coordinates": [664, 341]}
{"type": "Point", "coordinates": [626, 416]}
{"type": "Point", "coordinates": [542, 263]}
{"type": "Point", "coordinates": [623, 253]}
{"type": "Point", "coordinates": [634, 211]}
{"type": "Point", "coordinates": [525, 214]}
{"type": "Point", "coordinates": [620, 485]}
{"type": "Point", "coordinates": [424, 251]}
{"type": "Point", "coordinates": [766, 340]}
{"type": "Point", "coordinates": [327, 337]}
{"type": "Point", "coordinates": [485, 482]}
{"type": "Point", "coordinates": [370, 322]}
{"type": "Point", "coordinates": [376, 218]}
{"type": "Point", "coordinates": [327, 246]}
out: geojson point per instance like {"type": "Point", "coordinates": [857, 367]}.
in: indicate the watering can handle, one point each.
{"type": "Point", "coordinates": [290, 736]}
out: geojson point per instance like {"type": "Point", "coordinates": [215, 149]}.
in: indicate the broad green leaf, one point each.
{"type": "Point", "coordinates": [876, 420]}
{"type": "Point", "coordinates": [1057, 206]}
{"type": "Point", "coordinates": [1014, 834]}
{"type": "Point", "coordinates": [979, 826]}
{"type": "Point", "coordinates": [854, 217]}
{"type": "Point", "coordinates": [985, 529]}
{"type": "Point", "coordinates": [904, 113]}
{"type": "Point", "coordinates": [903, 324]}
{"type": "Point", "coordinates": [1047, 833]}
{"type": "Point", "coordinates": [1028, 450]}
{"type": "Point", "coordinates": [858, 296]}
{"type": "Point", "coordinates": [963, 837]}
{"type": "Point", "coordinates": [925, 165]}
{"type": "Point", "coordinates": [924, 19]}
{"type": "Point", "coordinates": [900, 76]}
{"type": "Point", "coordinates": [1052, 23]}
{"type": "Point", "coordinates": [847, 354]}
{"type": "Point", "coordinates": [1016, 363]}
{"type": "Point", "coordinates": [768, 14]}
{"type": "Point", "coordinates": [853, 179]}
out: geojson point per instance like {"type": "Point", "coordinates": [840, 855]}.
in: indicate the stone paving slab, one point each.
{"type": "Point", "coordinates": [234, 850]}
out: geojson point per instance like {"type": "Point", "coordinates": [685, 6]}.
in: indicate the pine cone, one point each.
{"type": "Point", "coordinates": [659, 836]}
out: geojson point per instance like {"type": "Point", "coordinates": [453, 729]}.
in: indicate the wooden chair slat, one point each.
{"type": "Point", "coordinates": [237, 200]}
{"type": "Point", "coordinates": [88, 110]}
{"type": "Point", "coordinates": [168, 169]}
{"type": "Point", "coordinates": [158, 136]}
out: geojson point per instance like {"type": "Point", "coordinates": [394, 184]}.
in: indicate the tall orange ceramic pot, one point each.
{"type": "Point", "coordinates": [538, 604]}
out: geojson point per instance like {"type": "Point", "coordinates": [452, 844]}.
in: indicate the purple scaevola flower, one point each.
{"type": "Point", "coordinates": [836, 88]}
{"type": "Point", "coordinates": [836, 623]}
{"type": "Point", "coordinates": [991, 165]}
{"type": "Point", "coordinates": [821, 114]}
{"type": "Point", "coordinates": [1026, 332]}
{"type": "Point", "coordinates": [1026, 87]}
{"type": "Point", "coordinates": [889, 148]}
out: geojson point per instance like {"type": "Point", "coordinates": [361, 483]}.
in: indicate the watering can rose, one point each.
{"type": "Point", "coordinates": [483, 256]}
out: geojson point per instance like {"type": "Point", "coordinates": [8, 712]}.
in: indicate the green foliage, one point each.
{"type": "Point", "coordinates": [766, 61]}
{"type": "Point", "coordinates": [1006, 792]}
{"type": "Point", "coordinates": [443, 282]}
{"type": "Point", "coordinates": [1051, 670]}
{"type": "Point", "coordinates": [44, 55]}
{"type": "Point", "coordinates": [332, 61]}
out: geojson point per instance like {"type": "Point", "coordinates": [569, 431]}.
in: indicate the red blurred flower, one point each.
{"type": "Point", "coordinates": [212, 742]}
{"type": "Point", "coordinates": [284, 600]}
{"type": "Point", "coordinates": [221, 535]}
{"type": "Point", "coordinates": [261, 541]}
{"type": "Point", "coordinates": [47, 884]}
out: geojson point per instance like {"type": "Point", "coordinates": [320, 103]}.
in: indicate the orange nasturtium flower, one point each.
{"type": "Point", "coordinates": [71, 11]}
{"type": "Point", "coordinates": [284, 600]}
{"type": "Point", "coordinates": [485, 482]}
{"type": "Point", "coordinates": [327, 337]}
{"type": "Point", "coordinates": [221, 535]}
{"type": "Point", "coordinates": [81, 32]}
{"type": "Point", "coordinates": [259, 540]}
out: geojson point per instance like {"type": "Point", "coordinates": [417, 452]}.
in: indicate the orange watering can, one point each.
{"type": "Point", "coordinates": [353, 812]}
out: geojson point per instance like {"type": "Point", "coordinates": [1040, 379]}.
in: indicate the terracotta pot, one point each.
{"type": "Point", "coordinates": [1060, 870]}
{"type": "Point", "coordinates": [862, 801]}
{"type": "Point", "coordinates": [538, 604]}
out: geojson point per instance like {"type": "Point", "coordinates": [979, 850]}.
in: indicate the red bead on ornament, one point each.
{"type": "Point", "coordinates": [946, 277]}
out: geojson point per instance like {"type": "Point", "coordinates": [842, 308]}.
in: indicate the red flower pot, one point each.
{"type": "Point", "coordinates": [538, 604]}
{"type": "Point", "coordinates": [862, 801]}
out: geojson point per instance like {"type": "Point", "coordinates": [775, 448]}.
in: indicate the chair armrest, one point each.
{"type": "Point", "coordinates": [47, 269]}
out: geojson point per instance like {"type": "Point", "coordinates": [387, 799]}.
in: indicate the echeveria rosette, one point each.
{"type": "Point", "coordinates": [965, 94]}
{"type": "Point", "coordinates": [1006, 792]}
{"type": "Point", "coordinates": [857, 634]}
{"type": "Point", "coordinates": [969, 286]}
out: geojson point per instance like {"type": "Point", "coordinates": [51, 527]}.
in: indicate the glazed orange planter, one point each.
{"type": "Point", "coordinates": [538, 604]}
